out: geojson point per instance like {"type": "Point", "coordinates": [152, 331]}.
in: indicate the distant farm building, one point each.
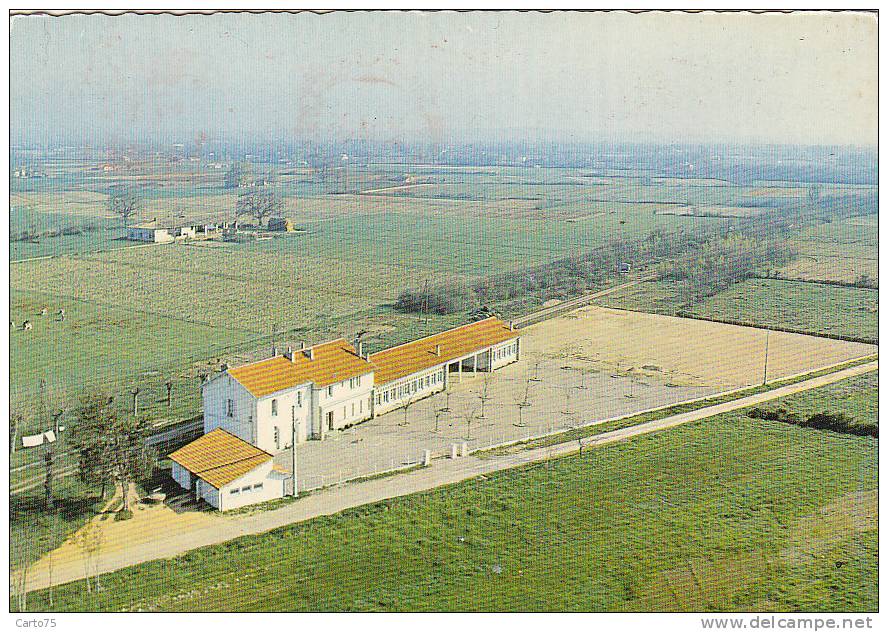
{"type": "Point", "coordinates": [157, 233]}
{"type": "Point", "coordinates": [281, 224]}
{"type": "Point", "coordinates": [307, 393]}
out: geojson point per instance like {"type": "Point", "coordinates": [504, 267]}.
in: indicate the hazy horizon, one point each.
{"type": "Point", "coordinates": [807, 78]}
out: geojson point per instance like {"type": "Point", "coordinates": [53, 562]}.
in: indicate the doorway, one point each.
{"type": "Point", "coordinates": [330, 420]}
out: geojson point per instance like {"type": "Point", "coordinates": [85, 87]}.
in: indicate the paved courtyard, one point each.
{"type": "Point", "coordinates": [533, 396]}
{"type": "Point", "coordinates": [590, 365]}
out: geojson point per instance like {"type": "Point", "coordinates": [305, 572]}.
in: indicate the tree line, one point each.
{"type": "Point", "coordinates": [702, 262]}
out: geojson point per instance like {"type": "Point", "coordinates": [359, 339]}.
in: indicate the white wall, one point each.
{"type": "Point", "coordinates": [505, 353]}
{"type": "Point", "coordinates": [298, 397]}
{"type": "Point", "coordinates": [350, 402]}
{"type": "Point", "coordinates": [181, 476]}
{"type": "Point", "coordinates": [216, 394]}
{"type": "Point", "coordinates": [414, 387]}
{"type": "Point", "coordinates": [272, 487]}
{"type": "Point", "coordinates": [208, 493]}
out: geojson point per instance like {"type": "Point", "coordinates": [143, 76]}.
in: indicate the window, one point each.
{"type": "Point", "coordinates": [229, 408]}
{"type": "Point", "coordinates": [428, 380]}
{"type": "Point", "coordinates": [258, 486]}
{"type": "Point", "coordinates": [343, 412]}
{"type": "Point", "coordinates": [351, 382]}
{"type": "Point", "coordinates": [299, 399]}
{"type": "Point", "coordinates": [358, 381]}
{"type": "Point", "coordinates": [234, 491]}
{"type": "Point", "coordinates": [330, 391]}
{"type": "Point", "coordinates": [361, 406]}
{"type": "Point", "coordinates": [277, 437]}
{"type": "Point", "coordinates": [246, 488]}
{"type": "Point", "coordinates": [353, 409]}
{"type": "Point", "coordinates": [274, 408]}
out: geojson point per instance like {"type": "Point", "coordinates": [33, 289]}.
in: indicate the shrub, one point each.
{"type": "Point", "coordinates": [124, 514]}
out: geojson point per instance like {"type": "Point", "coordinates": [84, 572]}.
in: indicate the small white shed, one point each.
{"type": "Point", "coordinates": [226, 471]}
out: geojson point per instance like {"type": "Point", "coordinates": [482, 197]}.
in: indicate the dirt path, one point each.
{"type": "Point", "coordinates": [158, 532]}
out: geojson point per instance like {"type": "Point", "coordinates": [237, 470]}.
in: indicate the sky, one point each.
{"type": "Point", "coordinates": [802, 78]}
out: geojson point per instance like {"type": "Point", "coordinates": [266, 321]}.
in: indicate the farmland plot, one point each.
{"type": "Point", "coordinates": [810, 307]}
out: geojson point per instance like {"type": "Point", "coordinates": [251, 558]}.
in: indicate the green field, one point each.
{"type": "Point", "coordinates": [725, 514]}
{"type": "Point", "coordinates": [144, 315]}
{"type": "Point", "coordinates": [842, 250]}
{"type": "Point", "coordinates": [809, 307]}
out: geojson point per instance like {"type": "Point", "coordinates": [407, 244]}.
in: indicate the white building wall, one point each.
{"type": "Point", "coordinates": [287, 402]}
{"type": "Point", "coordinates": [505, 353]}
{"type": "Point", "coordinates": [244, 491]}
{"type": "Point", "coordinates": [181, 476]}
{"type": "Point", "coordinates": [208, 493]}
{"type": "Point", "coordinates": [349, 401]}
{"type": "Point", "coordinates": [216, 394]}
{"type": "Point", "coordinates": [412, 387]}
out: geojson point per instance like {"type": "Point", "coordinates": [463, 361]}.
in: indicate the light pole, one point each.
{"type": "Point", "coordinates": [767, 340]}
{"type": "Point", "coordinates": [293, 435]}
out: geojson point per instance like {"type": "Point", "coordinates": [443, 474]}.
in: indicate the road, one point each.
{"type": "Point", "coordinates": [576, 303]}
{"type": "Point", "coordinates": [178, 533]}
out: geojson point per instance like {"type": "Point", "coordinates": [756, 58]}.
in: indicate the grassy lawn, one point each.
{"type": "Point", "coordinates": [724, 514]}
{"type": "Point", "coordinates": [808, 307]}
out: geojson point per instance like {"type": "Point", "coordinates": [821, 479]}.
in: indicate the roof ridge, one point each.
{"type": "Point", "coordinates": [438, 333]}
{"type": "Point", "coordinates": [230, 463]}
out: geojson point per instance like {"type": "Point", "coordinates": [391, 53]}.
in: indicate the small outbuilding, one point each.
{"type": "Point", "coordinates": [284, 224]}
{"type": "Point", "coordinates": [227, 472]}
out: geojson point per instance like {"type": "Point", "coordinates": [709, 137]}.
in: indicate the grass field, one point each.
{"type": "Point", "coordinates": [145, 315]}
{"type": "Point", "coordinates": [725, 514]}
{"type": "Point", "coordinates": [837, 251]}
{"type": "Point", "coordinates": [809, 307]}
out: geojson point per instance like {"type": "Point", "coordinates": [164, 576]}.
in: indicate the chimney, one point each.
{"type": "Point", "coordinates": [309, 353]}
{"type": "Point", "coordinates": [289, 353]}
{"type": "Point", "coordinates": [438, 350]}
{"type": "Point", "coordinates": [302, 345]}
{"type": "Point", "coordinates": [274, 351]}
{"type": "Point", "coordinates": [511, 325]}
{"type": "Point", "coordinates": [360, 348]}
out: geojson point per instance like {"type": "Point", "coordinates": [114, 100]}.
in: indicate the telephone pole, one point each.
{"type": "Point", "coordinates": [293, 448]}
{"type": "Point", "coordinates": [767, 340]}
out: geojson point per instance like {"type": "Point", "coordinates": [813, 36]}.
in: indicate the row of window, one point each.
{"type": "Point", "coordinates": [355, 409]}
{"type": "Point", "coordinates": [409, 388]}
{"type": "Point", "coordinates": [246, 488]}
{"type": "Point", "coordinates": [512, 349]}
{"type": "Point", "coordinates": [353, 383]}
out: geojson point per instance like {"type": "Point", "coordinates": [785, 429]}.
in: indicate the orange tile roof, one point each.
{"type": "Point", "coordinates": [411, 357]}
{"type": "Point", "coordinates": [219, 457]}
{"type": "Point", "coordinates": [333, 362]}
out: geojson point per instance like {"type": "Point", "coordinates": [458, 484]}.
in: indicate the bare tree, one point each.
{"type": "Point", "coordinates": [258, 202]}
{"type": "Point", "coordinates": [125, 201]}
{"type": "Point", "coordinates": [406, 407]}
{"type": "Point", "coordinates": [22, 557]}
{"type": "Point", "coordinates": [468, 414]}
{"type": "Point", "coordinates": [484, 394]}
{"type": "Point", "coordinates": [15, 422]}
{"type": "Point", "coordinates": [89, 540]}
